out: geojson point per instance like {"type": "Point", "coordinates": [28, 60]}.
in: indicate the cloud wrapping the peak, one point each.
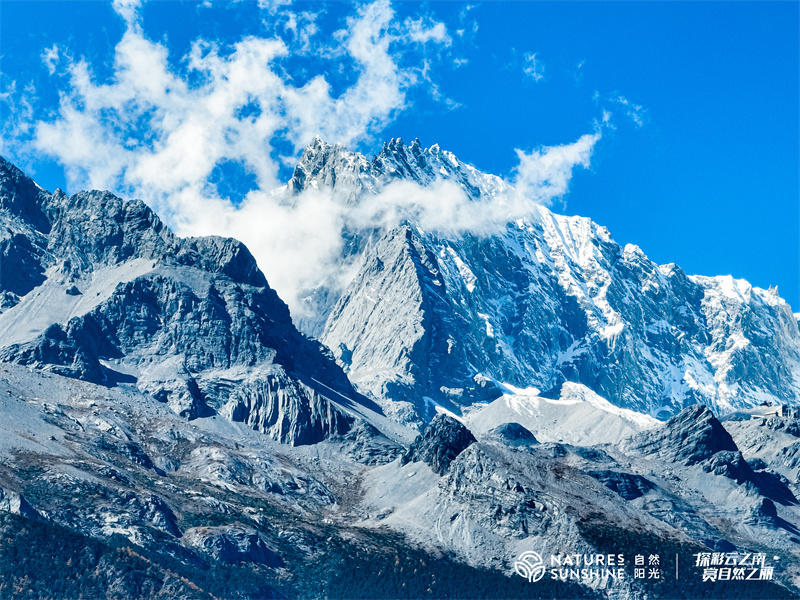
{"type": "Point", "coordinates": [164, 130]}
{"type": "Point", "coordinates": [161, 132]}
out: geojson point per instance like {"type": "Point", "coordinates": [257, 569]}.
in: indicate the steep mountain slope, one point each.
{"type": "Point", "coordinates": [111, 296]}
{"type": "Point", "coordinates": [448, 318]}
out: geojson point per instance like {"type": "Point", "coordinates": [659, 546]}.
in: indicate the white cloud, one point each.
{"type": "Point", "coordinates": [50, 58]}
{"type": "Point", "coordinates": [157, 129]}
{"type": "Point", "coordinates": [616, 102]}
{"type": "Point", "coordinates": [468, 26]}
{"type": "Point", "coordinates": [159, 133]}
{"type": "Point", "coordinates": [635, 112]}
{"type": "Point", "coordinates": [128, 10]}
{"type": "Point", "coordinates": [544, 174]}
{"type": "Point", "coordinates": [17, 115]}
{"type": "Point", "coordinates": [273, 6]}
{"type": "Point", "coordinates": [534, 67]}
{"type": "Point", "coordinates": [425, 30]}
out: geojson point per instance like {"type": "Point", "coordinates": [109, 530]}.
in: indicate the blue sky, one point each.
{"type": "Point", "coordinates": [697, 161]}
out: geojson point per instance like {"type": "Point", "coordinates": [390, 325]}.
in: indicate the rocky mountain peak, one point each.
{"type": "Point", "coordinates": [440, 444]}
{"type": "Point", "coordinates": [513, 434]}
{"type": "Point", "coordinates": [349, 174]}
{"type": "Point", "coordinates": [691, 436]}
{"type": "Point", "coordinates": [22, 197]}
{"type": "Point", "coordinates": [103, 291]}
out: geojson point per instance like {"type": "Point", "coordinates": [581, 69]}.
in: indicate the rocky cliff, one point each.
{"type": "Point", "coordinates": [97, 288]}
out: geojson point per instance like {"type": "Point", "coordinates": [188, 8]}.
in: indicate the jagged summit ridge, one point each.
{"type": "Point", "coordinates": [350, 174]}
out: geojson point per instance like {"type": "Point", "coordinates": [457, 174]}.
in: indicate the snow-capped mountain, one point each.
{"type": "Point", "coordinates": [350, 175]}
{"type": "Point", "coordinates": [451, 319]}
{"type": "Point", "coordinates": [166, 432]}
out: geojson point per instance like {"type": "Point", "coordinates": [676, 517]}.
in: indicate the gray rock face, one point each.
{"type": "Point", "coordinates": [502, 500]}
{"type": "Point", "coordinates": [788, 424]}
{"type": "Point", "coordinates": [23, 235]}
{"type": "Point", "coordinates": [790, 455]}
{"type": "Point", "coordinates": [364, 444]}
{"type": "Point", "coordinates": [154, 511]}
{"type": "Point", "coordinates": [730, 464]}
{"type": "Point", "coordinates": [286, 410]}
{"type": "Point", "coordinates": [16, 504]}
{"type": "Point", "coordinates": [419, 358]}
{"type": "Point", "coordinates": [689, 437]}
{"type": "Point", "coordinates": [115, 298]}
{"type": "Point", "coordinates": [232, 544]}
{"type": "Point", "coordinates": [401, 289]}
{"type": "Point", "coordinates": [627, 485]}
{"type": "Point", "coordinates": [443, 440]}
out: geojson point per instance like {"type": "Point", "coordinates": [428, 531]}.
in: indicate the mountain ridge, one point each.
{"type": "Point", "coordinates": [161, 410]}
{"type": "Point", "coordinates": [119, 299]}
{"type": "Point", "coordinates": [547, 299]}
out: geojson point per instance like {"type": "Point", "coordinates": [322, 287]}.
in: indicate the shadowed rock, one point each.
{"type": "Point", "coordinates": [513, 434]}
{"type": "Point", "coordinates": [443, 440]}
{"type": "Point", "coordinates": [232, 544]}
{"type": "Point", "coordinates": [689, 437]}
{"type": "Point", "coordinates": [627, 485]}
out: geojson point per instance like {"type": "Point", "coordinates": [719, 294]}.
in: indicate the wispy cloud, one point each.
{"type": "Point", "coordinates": [544, 174]}
{"type": "Point", "coordinates": [50, 59]}
{"type": "Point", "coordinates": [616, 103]}
{"type": "Point", "coordinates": [533, 66]}
{"type": "Point", "coordinates": [635, 112]}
